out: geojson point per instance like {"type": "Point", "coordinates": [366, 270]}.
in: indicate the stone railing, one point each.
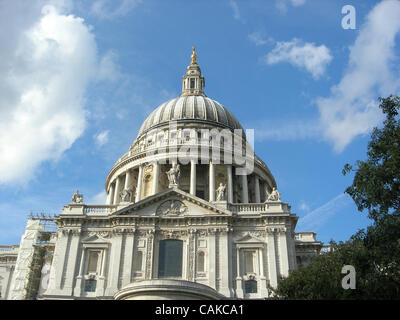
{"type": "Point", "coordinates": [267, 207]}
{"type": "Point", "coordinates": [9, 248]}
{"type": "Point", "coordinates": [105, 209]}
{"type": "Point", "coordinates": [247, 207]}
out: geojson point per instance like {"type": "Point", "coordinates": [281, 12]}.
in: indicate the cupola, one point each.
{"type": "Point", "coordinates": [192, 82]}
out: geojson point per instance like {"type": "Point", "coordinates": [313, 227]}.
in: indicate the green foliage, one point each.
{"type": "Point", "coordinates": [374, 252]}
{"type": "Point", "coordinates": [377, 265]}
{"type": "Point", "coordinates": [376, 184]}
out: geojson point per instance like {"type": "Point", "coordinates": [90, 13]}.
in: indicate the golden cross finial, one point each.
{"type": "Point", "coordinates": [194, 56]}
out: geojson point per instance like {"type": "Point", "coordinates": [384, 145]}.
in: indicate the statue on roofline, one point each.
{"type": "Point", "coordinates": [274, 195]}
{"type": "Point", "coordinates": [173, 175]}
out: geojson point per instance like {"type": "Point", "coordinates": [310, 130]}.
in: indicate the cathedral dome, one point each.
{"type": "Point", "coordinates": [191, 108]}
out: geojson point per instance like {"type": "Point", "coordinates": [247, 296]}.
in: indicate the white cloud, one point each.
{"type": "Point", "coordinates": [316, 218]}
{"type": "Point", "coordinates": [107, 9]}
{"type": "Point", "coordinates": [306, 56]}
{"type": "Point", "coordinates": [236, 11]}
{"type": "Point", "coordinates": [352, 107]}
{"type": "Point", "coordinates": [109, 68]}
{"type": "Point", "coordinates": [99, 198]}
{"type": "Point", "coordinates": [289, 130]}
{"type": "Point", "coordinates": [282, 5]}
{"type": "Point", "coordinates": [102, 138]}
{"type": "Point", "coordinates": [47, 60]}
{"type": "Point", "coordinates": [258, 39]}
{"type": "Point", "coordinates": [304, 206]}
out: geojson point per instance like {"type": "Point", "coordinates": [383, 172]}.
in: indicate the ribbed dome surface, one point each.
{"type": "Point", "coordinates": [196, 108]}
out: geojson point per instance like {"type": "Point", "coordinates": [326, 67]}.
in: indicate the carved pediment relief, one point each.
{"type": "Point", "coordinates": [172, 203]}
{"type": "Point", "coordinates": [250, 237]}
{"type": "Point", "coordinates": [93, 236]}
{"type": "Point", "coordinates": [172, 207]}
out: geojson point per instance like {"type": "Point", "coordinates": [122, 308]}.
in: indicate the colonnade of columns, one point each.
{"type": "Point", "coordinates": [113, 195]}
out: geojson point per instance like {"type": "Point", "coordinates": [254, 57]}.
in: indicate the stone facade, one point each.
{"type": "Point", "coordinates": [231, 233]}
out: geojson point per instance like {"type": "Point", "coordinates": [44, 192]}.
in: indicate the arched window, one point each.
{"type": "Point", "coordinates": [170, 258]}
{"type": "Point", "coordinates": [201, 262]}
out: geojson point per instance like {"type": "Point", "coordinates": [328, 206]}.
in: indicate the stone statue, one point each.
{"type": "Point", "coordinates": [221, 192]}
{"type": "Point", "coordinates": [173, 175]}
{"type": "Point", "coordinates": [77, 198]}
{"type": "Point", "coordinates": [193, 56]}
{"type": "Point", "coordinates": [274, 195]}
{"type": "Point", "coordinates": [126, 195]}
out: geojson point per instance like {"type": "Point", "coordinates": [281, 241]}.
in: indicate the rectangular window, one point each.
{"type": "Point", "coordinates": [90, 285]}
{"type": "Point", "coordinates": [170, 259]}
{"type": "Point", "coordinates": [200, 262]}
{"type": "Point", "coordinates": [138, 263]}
{"type": "Point", "coordinates": [249, 261]}
{"type": "Point", "coordinates": [93, 261]}
{"type": "Point", "coordinates": [250, 286]}
{"type": "Point", "coordinates": [191, 83]}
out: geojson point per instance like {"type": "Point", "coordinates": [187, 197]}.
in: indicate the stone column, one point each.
{"type": "Point", "coordinates": [239, 283]}
{"type": "Point", "coordinates": [193, 177]}
{"type": "Point", "coordinates": [273, 279]}
{"type": "Point", "coordinates": [263, 280]}
{"type": "Point", "coordinates": [108, 201]}
{"type": "Point", "coordinates": [265, 190]}
{"type": "Point", "coordinates": [102, 279]}
{"type": "Point", "coordinates": [257, 189]}
{"type": "Point", "coordinates": [72, 256]}
{"type": "Point", "coordinates": [128, 178]}
{"type": "Point", "coordinates": [230, 183]}
{"type": "Point", "coordinates": [117, 190]}
{"type": "Point", "coordinates": [292, 253]}
{"type": "Point", "coordinates": [211, 261]}
{"type": "Point", "coordinates": [115, 262]}
{"type": "Point", "coordinates": [128, 258]}
{"type": "Point", "coordinates": [245, 190]}
{"type": "Point", "coordinates": [211, 182]}
{"type": "Point", "coordinates": [139, 184]}
{"type": "Point", "coordinates": [78, 285]}
{"type": "Point", "coordinates": [110, 197]}
{"type": "Point", "coordinates": [225, 263]}
{"type": "Point", "coordinates": [283, 252]}
{"type": "Point", "coordinates": [156, 170]}
{"type": "Point", "coordinates": [57, 269]}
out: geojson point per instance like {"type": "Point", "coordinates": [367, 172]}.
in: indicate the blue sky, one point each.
{"type": "Point", "coordinates": [78, 78]}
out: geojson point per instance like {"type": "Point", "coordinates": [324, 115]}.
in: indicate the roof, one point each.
{"type": "Point", "coordinates": [191, 108]}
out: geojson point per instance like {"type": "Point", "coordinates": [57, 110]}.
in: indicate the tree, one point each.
{"type": "Point", "coordinates": [376, 184]}
{"type": "Point", "coordinates": [374, 252]}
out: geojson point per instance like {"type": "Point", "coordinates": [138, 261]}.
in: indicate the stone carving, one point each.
{"type": "Point", "coordinates": [150, 239]}
{"type": "Point", "coordinates": [99, 234]}
{"type": "Point", "coordinates": [172, 208]}
{"type": "Point", "coordinates": [173, 175]}
{"type": "Point", "coordinates": [274, 195]}
{"type": "Point", "coordinates": [77, 198]}
{"type": "Point", "coordinates": [191, 256]}
{"type": "Point", "coordinates": [173, 234]}
{"type": "Point", "coordinates": [126, 195]}
{"type": "Point", "coordinates": [221, 192]}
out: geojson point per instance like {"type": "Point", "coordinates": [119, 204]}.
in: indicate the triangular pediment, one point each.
{"type": "Point", "coordinates": [172, 203]}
